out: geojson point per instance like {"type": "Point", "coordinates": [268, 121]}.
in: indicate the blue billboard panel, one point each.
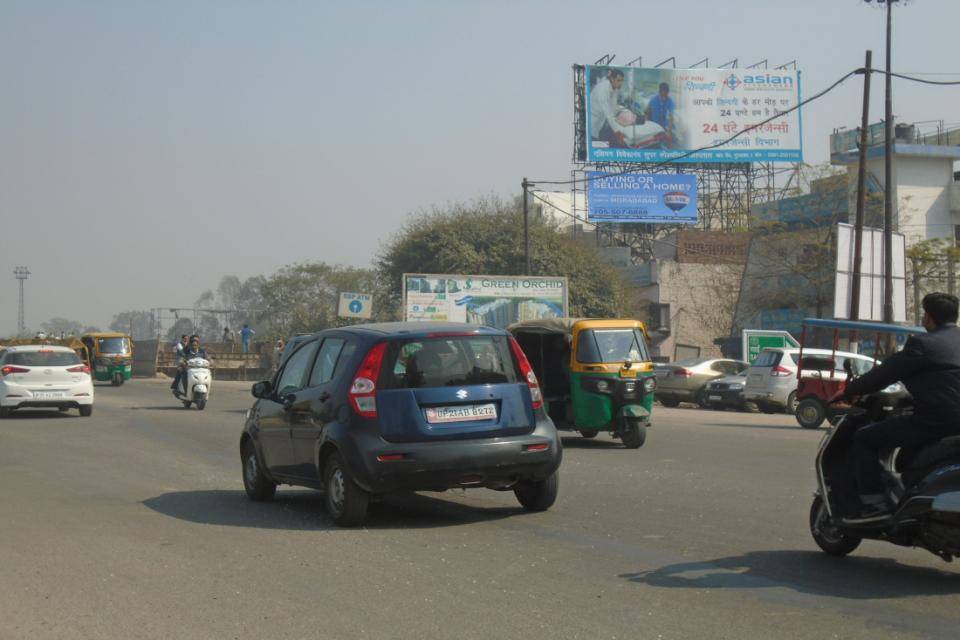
{"type": "Point", "coordinates": [657, 198]}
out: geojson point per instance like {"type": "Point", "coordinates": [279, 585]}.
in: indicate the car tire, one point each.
{"type": "Point", "coordinates": [700, 398]}
{"type": "Point", "coordinates": [346, 502]}
{"type": "Point", "coordinates": [791, 407]}
{"type": "Point", "coordinates": [826, 535]}
{"type": "Point", "coordinates": [257, 485]}
{"type": "Point", "coordinates": [811, 413]}
{"type": "Point", "coordinates": [538, 495]}
{"type": "Point", "coordinates": [5, 412]}
{"type": "Point", "coordinates": [634, 434]}
{"type": "Point", "coordinates": [86, 410]}
{"type": "Point", "coordinates": [588, 433]}
{"type": "Point", "coordinates": [669, 402]}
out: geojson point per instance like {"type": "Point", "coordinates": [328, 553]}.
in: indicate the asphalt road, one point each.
{"type": "Point", "coordinates": [134, 524]}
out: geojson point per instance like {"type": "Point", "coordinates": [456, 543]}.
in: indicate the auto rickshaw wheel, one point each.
{"type": "Point", "coordinates": [633, 433]}
{"type": "Point", "coordinates": [587, 433]}
{"type": "Point", "coordinates": [811, 413]}
{"type": "Point", "coordinates": [117, 379]}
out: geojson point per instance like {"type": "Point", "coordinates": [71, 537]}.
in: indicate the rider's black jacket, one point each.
{"type": "Point", "coordinates": [929, 366]}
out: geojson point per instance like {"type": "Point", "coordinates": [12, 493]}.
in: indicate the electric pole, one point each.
{"type": "Point", "coordinates": [21, 274]}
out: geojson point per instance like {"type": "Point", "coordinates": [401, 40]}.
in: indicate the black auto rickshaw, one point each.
{"type": "Point", "coordinates": [596, 375]}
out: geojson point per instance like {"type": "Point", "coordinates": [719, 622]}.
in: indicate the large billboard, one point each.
{"type": "Point", "coordinates": [667, 198]}
{"type": "Point", "coordinates": [495, 301]}
{"type": "Point", "coordinates": [871, 274]}
{"type": "Point", "coordinates": [656, 115]}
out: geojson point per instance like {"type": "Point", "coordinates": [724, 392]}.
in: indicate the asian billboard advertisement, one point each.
{"type": "Point", "coordinates": [495, 301]}
{"type": "Point", "coordinates": [657, 115]}
{"type": "Point", "coordinates": [658, 198]}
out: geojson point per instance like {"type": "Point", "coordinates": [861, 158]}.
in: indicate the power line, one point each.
{"type": "Point", "coordinates": [715, 145]}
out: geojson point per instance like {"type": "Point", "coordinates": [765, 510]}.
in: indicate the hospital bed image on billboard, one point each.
{"type": "Point", "coordinates": [653, 115]}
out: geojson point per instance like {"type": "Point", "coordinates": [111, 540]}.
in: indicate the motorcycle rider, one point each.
{"type": "Point", "coordinates": [193, 350]}
{"type": "Point", "coordinates": [929, 367]}
{"type": "Point", "coordinates": [178, 349]}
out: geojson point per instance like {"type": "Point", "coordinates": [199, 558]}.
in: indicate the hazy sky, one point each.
{"type": "Point", "coordinates": [147, 148]}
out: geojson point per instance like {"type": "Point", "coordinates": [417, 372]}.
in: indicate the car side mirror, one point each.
{"type": "Point", "coordinates": [262, 389]}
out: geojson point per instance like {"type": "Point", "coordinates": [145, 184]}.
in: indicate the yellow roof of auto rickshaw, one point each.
{"type": "Point", "coordinates": [568, 325]}
{"type": "Point", "coordinates": [105, 334]}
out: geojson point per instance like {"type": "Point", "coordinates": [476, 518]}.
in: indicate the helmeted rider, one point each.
{"type": "Point", "coordinates": [929, 367]}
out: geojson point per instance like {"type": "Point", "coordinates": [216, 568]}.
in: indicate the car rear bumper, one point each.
{"type": "Point", "coordinates": [767, 398]}
{"type": "Point", "coordinates": [488, 462]}
{"type": "Point", "coordinates": [15, 396]}
{"type": "Point", "coordinates": [725, 397]}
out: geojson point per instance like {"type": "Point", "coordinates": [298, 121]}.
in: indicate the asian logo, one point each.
{"type": "Point", "coordinates": [676, 200]}
{"type": "Point", "coordinates": [732, 81]}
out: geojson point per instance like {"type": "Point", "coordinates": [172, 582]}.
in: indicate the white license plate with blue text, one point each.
{"type": "Point", "coordinates": [466, 413]}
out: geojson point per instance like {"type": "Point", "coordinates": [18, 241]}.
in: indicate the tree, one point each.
{"type": "Point", "coordinates": [932, 266]}
{"type": "Point", "coordinates": [180, 327]}
{"type": "Point", "coordinates": [139, 324]}
{"type": "Point", "coordinates": [302, 298]}
{"type": "Point", "coordinates": [485, 237]}
{"type": "Point", "coordinates": [62, 326]}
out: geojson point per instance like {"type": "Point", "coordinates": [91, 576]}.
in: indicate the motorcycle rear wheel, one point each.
{"type": "Point", "coordinates": [826, 534]}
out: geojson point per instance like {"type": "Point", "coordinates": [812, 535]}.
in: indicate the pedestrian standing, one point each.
{"type": "Point", "coordinates": [245, 335]}
{"type": "Point", "coordinates": [228, 338]}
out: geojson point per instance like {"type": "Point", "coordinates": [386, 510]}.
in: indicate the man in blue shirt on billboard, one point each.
{"type": "Point", "coordinates": [660, 108]}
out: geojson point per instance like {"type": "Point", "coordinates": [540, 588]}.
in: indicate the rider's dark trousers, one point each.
{"type": "Point", "coordinates": [897, 431]}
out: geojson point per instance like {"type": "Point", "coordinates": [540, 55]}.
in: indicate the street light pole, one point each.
{"type": "Point", "coordinates": [526, 229]}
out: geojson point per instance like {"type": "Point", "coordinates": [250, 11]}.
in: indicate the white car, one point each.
{"type": "Point", "coordinates": [44, 376]}
{"type": "Point", "coordinates": [772, 378]}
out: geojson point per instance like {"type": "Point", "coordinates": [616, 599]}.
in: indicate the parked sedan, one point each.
{"type": "Point", "coordinates": [44, 376]}
{"type": "Point", "coordinates": [686, 380]}
{"type": "Point", "coordinates": [727, 392]}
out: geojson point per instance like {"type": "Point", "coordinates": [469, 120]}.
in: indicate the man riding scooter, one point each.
{"type": "Point", "coordinates": [192, 350]}
{"type": "Point", "coordinates": [929, 367]}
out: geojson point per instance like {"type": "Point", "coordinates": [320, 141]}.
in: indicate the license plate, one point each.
{"type": "Point", "coordinates": [716, 397]}
{"type": "Point", "coordinates": [440, 415]}
{"type": "Point", "coordinates": [47, 395]}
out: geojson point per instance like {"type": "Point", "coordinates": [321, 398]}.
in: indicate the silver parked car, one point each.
{"type": "Point", "coordinates": [772, 378]}
{"type": "Point", "coordinates": [686, 380]}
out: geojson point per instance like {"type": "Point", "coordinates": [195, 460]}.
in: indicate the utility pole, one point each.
{"type": "Point", "coordinates": [951, 272]}
{"type": "Point", "coordinates": [861, 192]}
{"type": "Point", "coordinates": [915, 263]}
{"type": "Point", "coordinates": [526, 229]}
{"type": "Point", "coordinates": [21, 274]}
{"type": "Point", "coordinates": [888, 186]}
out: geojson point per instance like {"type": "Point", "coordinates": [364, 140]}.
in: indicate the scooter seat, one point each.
{"type": "Point", "coordinates": [913, 463]}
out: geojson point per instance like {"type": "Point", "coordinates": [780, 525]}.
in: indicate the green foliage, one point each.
{"type": "Point", "coordinates": [486, 237]}
{"type": "Point", "coordinates": [139, 324]}
{"type": "Point", "coordinates": [63, 326]}
{"type": "Point", "coordinates": [304, 297]}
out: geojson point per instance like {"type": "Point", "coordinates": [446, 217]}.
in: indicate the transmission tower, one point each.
{"type": "Point", "coordinates": [21, 274]}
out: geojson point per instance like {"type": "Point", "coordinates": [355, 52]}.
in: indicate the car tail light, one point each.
{"type": "Point", "coordinates": [363, 391]}
{"type": "Point", "coordinates": [80, 368]}
{"type": "Point", "coordinates": [683, 373]}
{"type": "Point", "coordinates": [7, 370]}
{"type": "Point", "coordinates": [526, 371]}
{"type": "Point", "coordinates": [780, 372]}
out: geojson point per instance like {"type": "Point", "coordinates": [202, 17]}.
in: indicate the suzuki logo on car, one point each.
{"type": "Point", "coordinates": [462, 394]}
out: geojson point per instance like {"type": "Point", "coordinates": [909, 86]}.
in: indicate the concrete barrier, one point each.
{"type": "Point", "coordinates": [145, 358]}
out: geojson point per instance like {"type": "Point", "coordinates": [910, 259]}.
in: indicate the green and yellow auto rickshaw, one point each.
{"type": "Point", "coordinates": [596, 375]}
{"type": "Point", "coordinates": [111, 356]}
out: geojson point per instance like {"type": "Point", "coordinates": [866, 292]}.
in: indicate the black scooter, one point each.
{"type": "Point", "coordinates": [924, 484]}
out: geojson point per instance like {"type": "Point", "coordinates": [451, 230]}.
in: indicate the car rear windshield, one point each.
{"type": "Point", "coordinates": [611, 345]}
{"type": "Point", "coordinates": [768, 359]}
{"type": "Point", "coordinates": [114, 345]}
{"type": "Point", "coordinates": [447, 361]}
{"type": "Point", "coordinates": [42, 358]}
